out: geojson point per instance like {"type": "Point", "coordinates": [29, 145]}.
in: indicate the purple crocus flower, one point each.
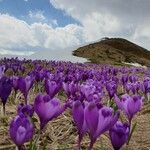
{"type": "Point", "coordinates": [47, 108]}
{"type": "Point", "coordinates": [70, 88]}
{"type": "Point", "coordinates": [15, 83]}
{"type": "Point", "coordinates": [5, 90]}
{"type": "Point", "coordinates": [26, 110]}
{"type": "Point", "coordinates": [135, 87]}
{"type": "Point", "coordinates": [25, 85]}
{"type": "Point", "coordinates": [133, 78]}
{"type": "Point", "coordinates": [87, 91]}
{"type": "Point", "coordinates": [124, 79]}
{"type": "Point", "coordinates": [130, 105]}
{"type": "Point", "coordinates": [145, 87]}
{"type": "Point", "coordinates": [78, 112]}
{"type": "Point", "coordinates": [21, 130]}
{"type": "Point", "coordinates": [128, 87]}
{"type": "Point", "coordinates": [119, 134]}
{"type": "Point", "coordinates": [111, 88]}
{"type": "Point", "coordinates": [99, 120]}
{"type": "Point", "coordinates": [52, 88]}
{"type": "Point", "coordinates": [39, 75]}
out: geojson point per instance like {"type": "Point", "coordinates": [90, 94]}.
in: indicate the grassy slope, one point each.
{"type": "Point", "coordinates": [114, 51]}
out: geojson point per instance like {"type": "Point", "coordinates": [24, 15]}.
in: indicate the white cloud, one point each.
{"type": "Point", "coordinates": [98, 18]}
{"type": "Point", "coordinates": [17, 35]}
{"type": "Point", "coordinates": [142, 30]}
{"type": "Point", "coordinates": [37, 15]}
{"type": "Point", "coordinates": [62, 38]}
{"type": "Point", "coordinates": [117, 18]}
{"type": "Point", "coordinates": [18, 53]}
{"type": "Point", "coordinates": [97, 25]}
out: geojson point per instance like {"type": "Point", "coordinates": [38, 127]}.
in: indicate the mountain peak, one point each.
{"type": "Point", "coordinates": [114, 51]}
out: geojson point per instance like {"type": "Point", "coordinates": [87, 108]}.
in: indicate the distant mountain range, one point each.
{"type": "Point", "coordinates": [114, 51]}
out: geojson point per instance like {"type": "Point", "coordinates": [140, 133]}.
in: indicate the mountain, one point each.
{"type": "Point", "coordinates": [115, 51]}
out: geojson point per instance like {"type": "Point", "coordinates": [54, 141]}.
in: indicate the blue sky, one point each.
{"type": "Point", "coordinates": [30, 26]}
{"type": "Point", "coordinates": [21, 9]}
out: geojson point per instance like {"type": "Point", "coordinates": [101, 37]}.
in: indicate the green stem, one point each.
{"type": "Point", "coordinates": [33, 146]}
{"type": "Point", "coordinates": [132, 130]}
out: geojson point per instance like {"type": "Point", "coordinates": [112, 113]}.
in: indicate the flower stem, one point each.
{"type": "Point", "coordinates": [91, 144]}
{"type": "Point", "coordinates": [33, 145]}
{"type": "Point", "coordinates": [79, 142]}
{"type": "Point", "coordinates": [19, 147]}
{"type": "Point", "coordinates": [132, 128]}
{"type": "Point", "coordinates": [4, 110]}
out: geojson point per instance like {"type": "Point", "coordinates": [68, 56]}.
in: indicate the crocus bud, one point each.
{"type": "Point", "coordinates": [130, 105]}
{"type": "Point", "coordinates": [124, 79]}
{"type": "Point", "coordinates": [133, 78]}
{"type": "Point", "coordinates": [111, 88]}
{"type": "Point", "coordinates": [15, 83]}
{"type": "Point", "coordinates": [87, 91]}
{"type": "Point", "coordinates": [25, 85]}
{"type": "Point", "coordinates": [5, 90]}
{"type": "Point", "coordinates": [128, 87]}
{"type": "Point", "coordinates": [26, 110]}
{"type": "Point", "coordinates": [47, 108]}
{"type": "Point", "coordinates": [78, 113]}
{"type": "Point", "coordinates": [146, 86]}
{"type": "Point", "coordinates": [70, 88]}
{"type": "Point", "coordinates": [21, 130]}
{"type": "Point", "coordinates": [52, 88]}
{"type": "Point", "coordinates": [119, 134]}
{"type": "Point", "coordinates": [99, 120]}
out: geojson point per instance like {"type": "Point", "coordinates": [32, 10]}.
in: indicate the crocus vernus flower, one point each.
{"type": "Point", "coordinates": [15, 83]}
{"type": "Point", "coordinates": [111, 88]}
{"type": "Point", "coordinates": [78, 112]}
{"type": "Point", "coordinates": [52, 88]}
{"type": "Point", "coordinates": [21, 130]}
{"type": "Point", "coordinates": [5, 90]}
{"type": "Point", "coordinates": [99, 120]}
{"type": "Point", "coordinates": [130, 105]}
{"type": "Point", "coordinates": [25, 85]}
{"type": "Point", "coordinates": [87, 91]}
{"type": "Point", "coordinates": [70, 88]}
{"type": "Point", "coordinates": [145, 87]}
{"type": "Point", "coordinates": [133, 78]}
{"type": "Point", "coordinates": [124, 79]}
{"type": "Point", "coordinates": [47, 108]}
{"type": "Point", "coordinates": [119, 134]}
{"type": "Point", "coordinates": [26, 110]}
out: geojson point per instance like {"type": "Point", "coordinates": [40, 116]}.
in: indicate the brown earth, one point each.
{"type": "Point", "coordinates": [114, 51]}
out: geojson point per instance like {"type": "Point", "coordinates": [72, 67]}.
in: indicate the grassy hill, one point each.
{"type": "Point", "coordinates": [114, 51]}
